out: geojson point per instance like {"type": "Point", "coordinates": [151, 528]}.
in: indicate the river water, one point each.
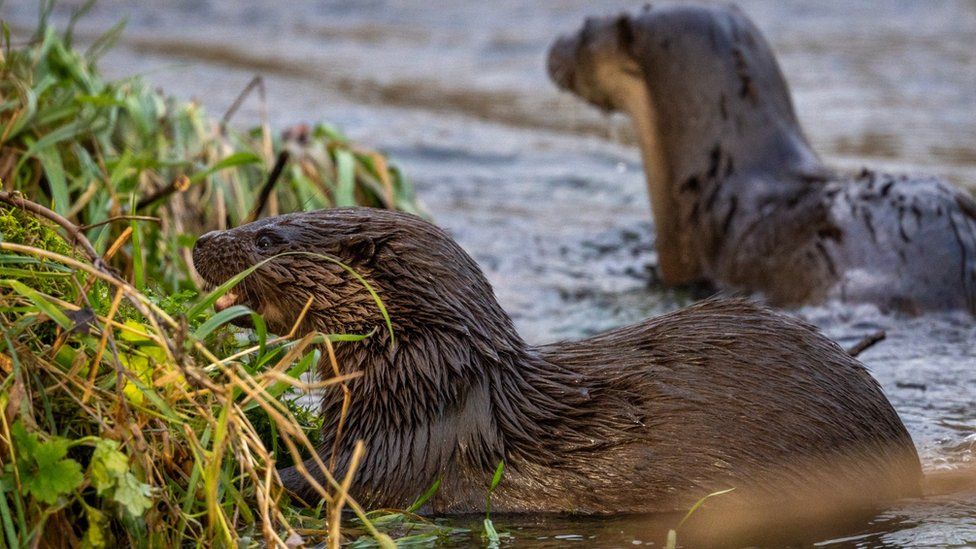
{"type": "Point", "coordinates": [548, 195]}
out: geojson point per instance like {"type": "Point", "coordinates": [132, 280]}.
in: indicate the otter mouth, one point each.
{"type": "Point", "coordinates": [227, 301]}
{"type": "Point", "coordinates": [233, 296]}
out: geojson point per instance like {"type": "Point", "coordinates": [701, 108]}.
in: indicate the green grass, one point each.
{"type": "Point", "coordinates": [130, 413]}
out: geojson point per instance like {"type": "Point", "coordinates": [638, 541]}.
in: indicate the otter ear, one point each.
{"type": "Point", "coordinates": [358, 247]}
{"type": "Point", "coordinates": [625, 32]}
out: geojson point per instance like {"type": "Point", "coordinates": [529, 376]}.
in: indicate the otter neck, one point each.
{"type": "Point", "coordinates": [691, 145]}
{"type": "Point", "coordinates": [677, 261]}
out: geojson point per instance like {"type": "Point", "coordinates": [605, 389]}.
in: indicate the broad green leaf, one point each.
{"type": "Point", "coordinates": [24, 443]}
{"type": "Point", "coordinates": [64, 133]}
{"type": "Point", "coordinates": [141, 364]}
{"type": "Point", "coordinates": [127, 335]}
{"type": "Point", "coordinates": [107, 465]}
{"type": "Point", "coordinates": [110, 475]}
{"type": "Point", "coordinates": [100, 100]}
{"type": "Point", "coordinates": [133, 495]}
{"type": "Point", "coordinates": [45, 472]}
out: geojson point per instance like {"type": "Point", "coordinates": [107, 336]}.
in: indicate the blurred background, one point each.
{"type": "Point", "coordinates": [548, 194]}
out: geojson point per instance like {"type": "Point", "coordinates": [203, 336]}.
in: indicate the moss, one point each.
{"type": "Point", "coordinates": [20, 227]}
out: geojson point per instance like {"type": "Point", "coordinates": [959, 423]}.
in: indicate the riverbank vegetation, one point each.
{"type": "Point", "coordinates": [130, 413]}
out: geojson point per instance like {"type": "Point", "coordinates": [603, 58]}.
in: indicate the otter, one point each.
{"type": "Point", "coordinates": [739, 198]}
{"type": "Point", "coordinates": [646, 418]}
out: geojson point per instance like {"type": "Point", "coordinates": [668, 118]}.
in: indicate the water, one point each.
{"type": "Point", "coordinates": [548, 195]}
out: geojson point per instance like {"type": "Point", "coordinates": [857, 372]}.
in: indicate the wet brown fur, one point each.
{"type": "Point", "coordinates": [740, 198]}
{"type": "Point", "coordinates": [649, 417]}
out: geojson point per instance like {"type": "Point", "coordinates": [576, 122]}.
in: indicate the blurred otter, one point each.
{"type": "Point", "coordinates": [645, 418]}
{"type": "Point", "coordinates": [739, 198]}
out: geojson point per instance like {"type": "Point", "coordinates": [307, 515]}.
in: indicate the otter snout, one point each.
{"type": "Point", "coordinates": [217, 256]}
{"type": "Point", "coordinates": [201, 252]}
{"type": "Point", "coordinates": [562, 60]}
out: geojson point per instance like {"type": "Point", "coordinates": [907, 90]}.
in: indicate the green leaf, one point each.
{"type": "Point", "coordinates": [95, 537]}
{"type": "Point", "coordinates": [107, 465]}
{"type": "Point", "coordinates": [491, 534]}
{"type": "Point", "coordinates": [45, 473]}
{"type": "Point", "coordinates": [110, 475]}
{"type": "Point", "coordinates": [6, 514]}
{"type": "Point", "coordinates": [498, 475]}
{"type": "Point", "coordinates": [213, 296]}
{"type": "Point", "coordinates": [100, 100]}
{"type": "Point", "coordinates": [133, 495]}
{"type": "Point", "coordinates": [138, 259]}
{"type": "Point", "coordinates": [54, 171]}
{"type": "Point", "coordinates": [429, 493]}
{"type": "Point", "coordinates": [64, 133]}
{"type": "Point", "coordinates": [138, 329]}
{"type": "Point", "coordinates": [219, 319]}
{"type": "Point", "coordinates": [345, 179]}
{"type": "Point", "coordinates": [24, 443]}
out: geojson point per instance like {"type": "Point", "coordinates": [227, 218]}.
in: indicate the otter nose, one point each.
{"type": "Point", "coordinates": [562, 56]}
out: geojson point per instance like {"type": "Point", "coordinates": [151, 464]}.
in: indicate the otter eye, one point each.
{"type": "Point", "coordinates": [264, 242]}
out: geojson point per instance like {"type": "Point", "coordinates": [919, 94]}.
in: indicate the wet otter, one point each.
{"type": "Point", "coordinates": [645, 418]}
{"type": "Point", "coordinates": [739, 198]}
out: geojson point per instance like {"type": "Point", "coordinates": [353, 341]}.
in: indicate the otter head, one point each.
{"type": "Point", "coordinates": [685, 57]}
{"type": "Point", "coordinates": [596, 63]}
{"type": "Point", "coordinates": [424, 279]}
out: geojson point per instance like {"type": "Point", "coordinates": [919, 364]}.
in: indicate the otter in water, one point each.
{"type": "Point", "coordinates": [739, 198]}
{"type": "Point", "coordinates": [650, 417]}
